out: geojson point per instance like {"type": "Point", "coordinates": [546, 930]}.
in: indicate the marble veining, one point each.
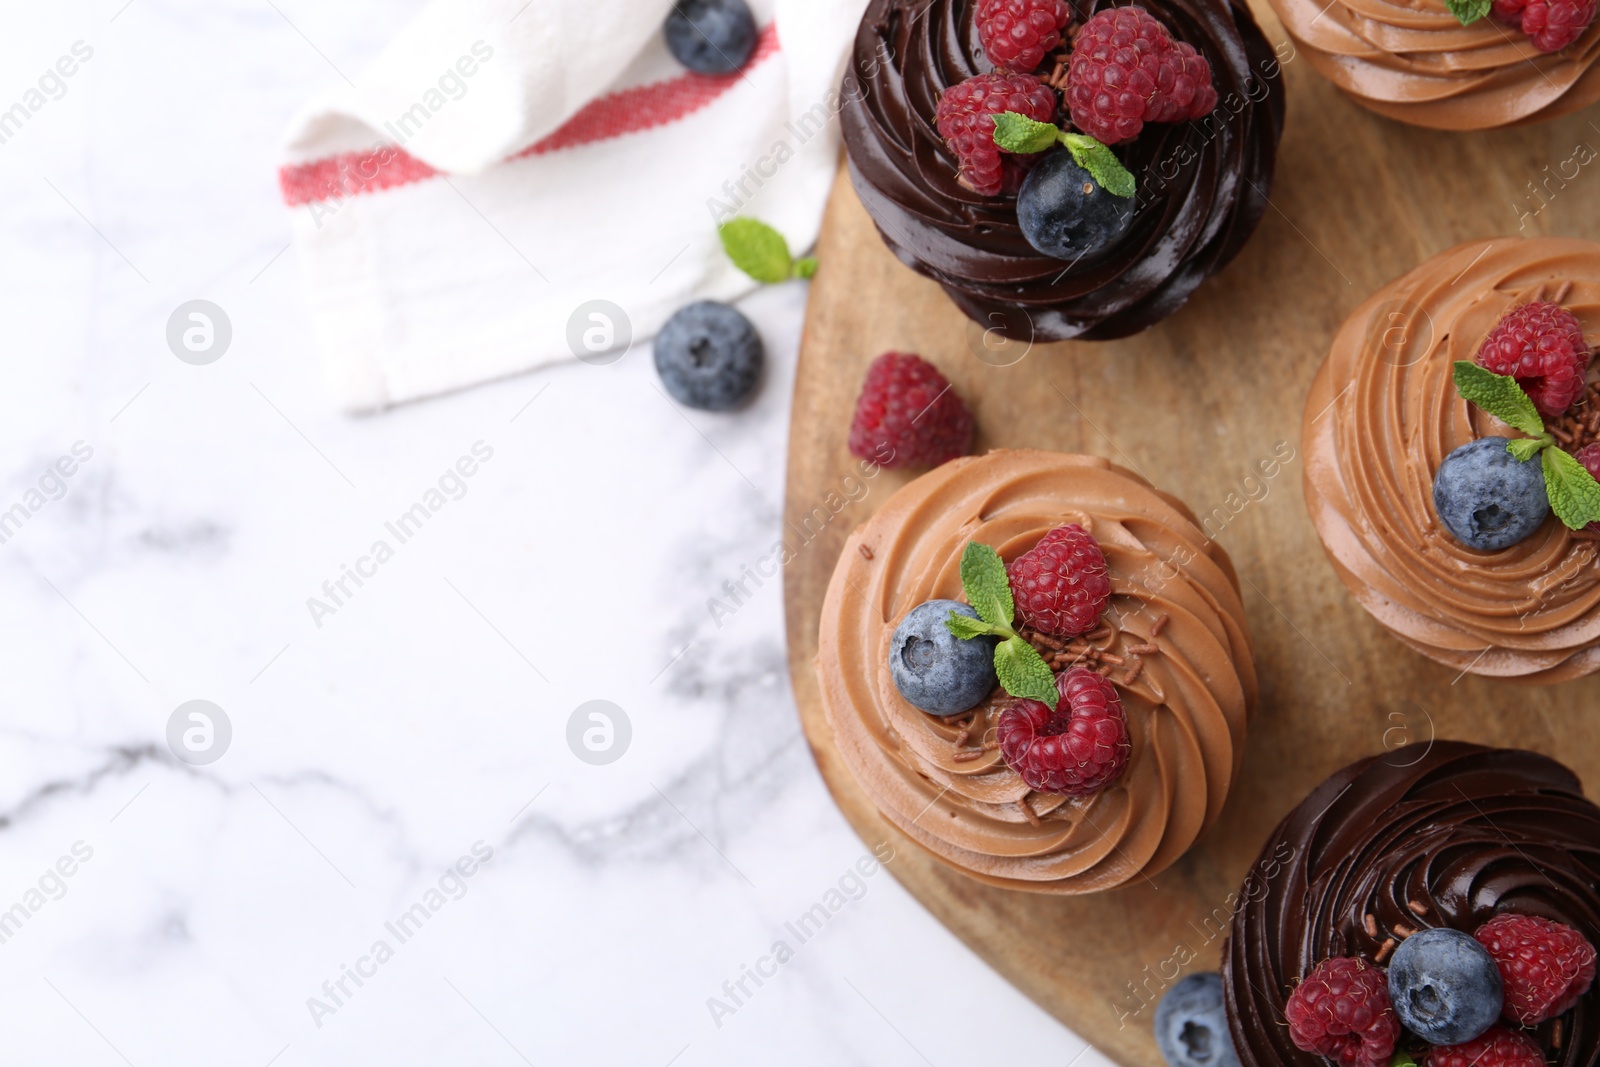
{"type": "Point", "coordinates": [379, 751]}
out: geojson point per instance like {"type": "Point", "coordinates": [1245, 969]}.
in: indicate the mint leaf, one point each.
{"type": "Point", "coordinates": [1525, 448]}
{"type": "Point", "coordinates": [966, 627]}
{"type": "Point", "coordinates": [1468, 11]}
{"type": "Point", "coordinates": [1019, 133]}
{"type": "Point", "coordinates": [757, 249]}
{"type": "Point", "coordinates": [1402, 1058]}
{"type": "Point", "coordinates": [1025, 136]}
{"type": "Point", "coordinates": [1024, 673]}
{"type": "Point", "coordinates": [983, 576]}
{"type": "Point", "coordinates": [805, 268]}
{"type": "Point", "coordinates": [1499, 395]}
{"type": "Point", "coordinates": [1101, 163]}
{"type": "Point", "coordinates": [1574, 494]}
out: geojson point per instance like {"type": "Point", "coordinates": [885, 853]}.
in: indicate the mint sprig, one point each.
{"type": "Point", "coordinates": [762, 252]}
{"type": "Point", "coordinates": [1525, 448]}
{"type": "Point", "coordinates": [1020, 134]}
{"type": "Point", "coordinates": [988, 588]}
{"type": "Point", "coordinates": [1018, 665]}
{"type": "Point", "coordinates": [1015, 132]}
{"type": "Point", "coordinates": [1574, 494]}
{"type": "Point", "coordinates": [1103, 166]}
{"type": "Point", "coordinates": [1468, 11]}
{"type": "Point", "coordinates": [1499, 395]}
{"type": "Point", "coordinates": [1024, 673]}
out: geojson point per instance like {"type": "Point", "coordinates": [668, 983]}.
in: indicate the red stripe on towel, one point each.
{"type": "Point", "coordinates": [612, 115]}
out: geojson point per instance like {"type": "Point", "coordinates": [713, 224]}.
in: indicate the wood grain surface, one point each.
{"type": "Point", "coordinates": [1194, 404]}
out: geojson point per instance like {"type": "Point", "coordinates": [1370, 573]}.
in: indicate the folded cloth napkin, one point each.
{"type": "Point", "coordinates": [515, 182]}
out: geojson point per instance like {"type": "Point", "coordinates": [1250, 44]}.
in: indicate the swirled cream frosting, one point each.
{"type": "Point", "coordinates": [1414, 62]}
{"type": "Point", "coordinates": [1449, 835]}
{"type": "Point", "coordinates": [1382, 415]}
{"type": "Point", "coordinates": [1187, 705]}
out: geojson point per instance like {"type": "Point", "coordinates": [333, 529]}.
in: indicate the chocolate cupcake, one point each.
{"type": "Point", "coordinates": [1146, 661]}
{"type": "Point", "coordinates": [1456, 837]}
{"type": "Point", "coordinates": [1200, 184]}
{"type": "Point", "coordinates": [1417, 62]}
{"type": "Point", "coordinates": [1385, 430]}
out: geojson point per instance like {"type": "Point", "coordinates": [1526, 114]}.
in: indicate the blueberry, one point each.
{"type": "Point", "coordinates": [933, 668]}
{"type": "Point", "coordinates": [1487, 497]}
{"type": "Point", "coordinates": [711, 36]}
{"type": "Point", "coordinates": [1191, 1030]}
{"type": "Point", "coordinates": [1444, 986]}
{"type": "Point", "coordinates": [1065, 213]}
{"type": "Point", "coordinates": [709, 356]}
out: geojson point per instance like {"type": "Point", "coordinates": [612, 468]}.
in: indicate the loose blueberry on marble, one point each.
{"type": "Point", "coordinates": [711, 36]}
{"type": "Point", "coordinates": [1444, 986]}
{"type": "Point", "coordinates": [709, 356]}
{"type": "Point", "coordinates": [1065, 213]}
{"type": "Point", "coordinates": [933, 668]}
{"type": "Point", "coordinates": [1190, 1027]}
{"type": "Point", "coordinates": [1488, 498]}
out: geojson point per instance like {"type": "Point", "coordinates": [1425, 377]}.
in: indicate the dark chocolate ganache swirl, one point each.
{"type": "Point", "coordinates": [1449, 837]}
{"type": "Point", "coordinates": [1203, 185]}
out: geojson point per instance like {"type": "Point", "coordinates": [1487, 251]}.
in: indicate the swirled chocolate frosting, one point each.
{"type": "Point", "coordinates": [1449, 837]}
{"type": "Point", "coordinates": [1172, 587]}
{"type": "Point", "coordinates": [1415, 62]}
{"type": "Point", "coordinates": [1383, 413]}
{"type": "Point", "coordinates": [1203, 185]}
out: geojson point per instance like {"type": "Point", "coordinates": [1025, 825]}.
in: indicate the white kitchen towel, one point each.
{"type": "Point", "coordinates": [515, 182]}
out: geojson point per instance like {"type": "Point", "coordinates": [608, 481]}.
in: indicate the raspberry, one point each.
{"type": "Point", "coordinates": [1545, 966]}
{"type": "Point", "coordinates": [1552, 24]}
{"type": "Point", "coordinates": [965, 118]}
{"type": "Point", "coordinates": [908, 416]}
{"type": "Point", "coordinates": [1060, 585]}
{"type": "Point", "coordinates": [1126, 70]}
{"type": "Point", "coordinates": [1541, 345]}
{"type": "Point", "coordinates": [1078, 748]}
{"type": "Point", "coordinates": [1495, 1047]}
{"type": "Point", "coordinates": [1342, 1011]}
{"type": "Point", "coordinates": [1018, 34]}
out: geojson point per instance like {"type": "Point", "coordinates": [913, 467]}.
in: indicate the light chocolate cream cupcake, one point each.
{"type": "Point", "coordinates": [1415, 62]}
{"type": "Point", "coordinates": [1172, 642]}
{"type": "Point", "coordinates": [1384, 413]}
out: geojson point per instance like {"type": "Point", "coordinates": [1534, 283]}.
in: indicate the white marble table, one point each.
{"type": "Point", "coordinates": [164, 913]}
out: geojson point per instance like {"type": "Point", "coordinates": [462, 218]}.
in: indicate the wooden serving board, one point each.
{"type": "Point", "coordinates": [1194, 404]}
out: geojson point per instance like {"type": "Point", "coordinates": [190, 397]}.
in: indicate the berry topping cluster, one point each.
{"type": "Point", "coordinates": [1076, 748]}
{"type": "Point", "coordinates": [1496, 1047]}
{"type": "Point", "coordinates": [1550, 24]}
{"type": "Point", "coordinates": [1123, 69]}
{"type": "Point", "coordinates": [1060, 584]}
{"type": "Point", "coordinates": [1531, 373]}
{"type": "Point", "coordinates": [1544, 965]}
{"type": "Point", "coordinates": [1127, 70]}
{"type": "Point", "coordinates": [1341, 1011]}
{"type": "Point", "coordinates": [1018, 34]}
{"type": "Point", "coordinates": [1064, 733]}
{"type": "Point", "coordinates": [965, 118]}
{"type": "Point", "coordinates": [1447, 998]}
{"type": "Point", "coordinates": [1541, 345]}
